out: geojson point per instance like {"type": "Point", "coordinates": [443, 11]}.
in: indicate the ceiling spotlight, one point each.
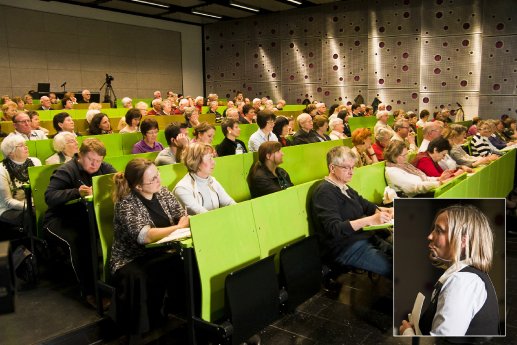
{"type": "Point", "coordinates": [206, 14]}
{"type": "Point", "coordinates": [234, 4]}
{"type": "Point", "coordinates": [295, 2]}
{"type": "Point", "coordinates": [151, 3]}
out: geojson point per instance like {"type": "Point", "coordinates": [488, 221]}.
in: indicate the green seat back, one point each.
{"type": "Point", "coordinates": [279, 220]}
{"type": "Point", "coordinates": [104, 211]}
{"type": "Point", "coordinates": [231, 173]}
{"type": "Point", "coordinates": [39, 178]}
{"type": "Point", "coordinates": [170, 174]}
{"type": "Point", "coordinates": [44, 149]}
{"type": "Point", "coordinates": [362, 122]}
{"type": "Point", "coordinates": [120, 162]}
{"type": "Point", "coordinates": [369, 181]}
{"type": "Point", "coordinates": [128, 140]}
{"type": "Point", "coordinates": [224, 241]}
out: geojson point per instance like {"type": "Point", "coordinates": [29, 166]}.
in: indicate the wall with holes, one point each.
{"type": "Point", "coordinates": [411, 54]}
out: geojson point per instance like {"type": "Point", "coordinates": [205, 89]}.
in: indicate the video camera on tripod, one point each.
{"type": "Point", "coordinates": [108, 92]}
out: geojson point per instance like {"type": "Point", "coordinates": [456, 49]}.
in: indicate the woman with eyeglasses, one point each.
{"type": "Point", "coordinates": [149, 129]}
{"type": "Point", "coordinates": [339, 214]}
{"type": "Point", "coordinates": [14, 172]}
{"type": "Point", "coordinates": [266, 176]}
{"type": "Point", "coordinates": [66, 146]}
{"type": "Point", "coordinates": [145, 212]}
{"type": "Point", "coordinates": [198, 191]}
{"type": "Point", "coordinates": [403, 177]}
{"type": "Point", "coordinates": [480, 143]}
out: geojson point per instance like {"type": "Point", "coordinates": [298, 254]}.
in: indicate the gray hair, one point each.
{"type": "Point", "coordinates": [340, 154]}
{"type": "Point", "coordinates": [303, 117]}
{"type": "Point", "coordinates": [383, 134]}
{"type": "Point", "coordinates": [59, 142]}
{"type": "Point", "coordinates": [400, 124]}
{"type": "Point", "coordinates": [189, 111]}
{"type": "Point", "coordinates": [157, 101]}
{"type": "Point", "coordinates": [335, 121]}
{"type": "Point", "coordinates": [381, 114]}
{"type": "Point", "coordinates": [10, 142]}
{"type": "Point", "coordinates": [126, 100]}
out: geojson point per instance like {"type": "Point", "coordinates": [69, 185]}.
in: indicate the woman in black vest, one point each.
{"type": "Point", "coordinates": [464, 301]}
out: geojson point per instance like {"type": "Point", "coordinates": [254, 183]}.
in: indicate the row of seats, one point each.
{"type": "Point", "coordinates": [229, 239]}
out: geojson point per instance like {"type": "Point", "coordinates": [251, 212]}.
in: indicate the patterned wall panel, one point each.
{"type": "Point", "coordinates": [263, 60]}
{"type": "Point", "coordinates": [225, 89]}
{"type": "Point", "coordinates": [394, 17]}
{"type": "Point", "coordinates": [499, 17]}
{"type": "Point", "coordinates": [409, 53]}
{"type": "Point", "coordinates": [394, 62]}
{"type": "Point", "coordinates": [301, 23]}
{"type": "Point", "coordinates": [225, 60]}
{"type": "Point", "coordinates": [495, 105]}
{"type": "Point", "coordinates": [345, 18]}
{"type": "Point", "coordinates": [451, 17]}
{"type": "Point", "coordinates": [345, 61]}
{"type": "Point", "coordinates": [406, 99]}
{"type": "Point", "coordinates": [302, 61]}
{"type": "Point", "coordinates": [451, 63]}
{"type": "Point", "coordinates": [436, 101]}
{"type": "Point", "coordinates": [499, 65]}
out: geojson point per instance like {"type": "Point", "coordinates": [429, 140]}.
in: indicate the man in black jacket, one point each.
{"type": "Point", "coordinates": [306, 134]}
{"type": "Point", "coordinates": [68, 222]}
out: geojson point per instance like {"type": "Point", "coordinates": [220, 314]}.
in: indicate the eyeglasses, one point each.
{"type": "Point", "coordinates": [155, 179]}
{"type": "Point", "coordinates": [21, 145]}
{"type": "Point", "coordinates": [151, 132]}
{"type": "Point", "coordinates": [23, 121]}
{"type": "Point", "coordinates": [347, 168]}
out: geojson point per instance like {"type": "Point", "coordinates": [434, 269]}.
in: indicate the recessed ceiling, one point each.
{"type": "Point", "coordinates": [206, 11]}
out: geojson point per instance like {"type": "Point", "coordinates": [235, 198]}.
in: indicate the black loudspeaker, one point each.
{"type": "Point", "coordinates": [7, 288]}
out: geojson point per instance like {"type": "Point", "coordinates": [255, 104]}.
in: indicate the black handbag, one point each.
{"type": "Point", "coordinates": [25, 265]}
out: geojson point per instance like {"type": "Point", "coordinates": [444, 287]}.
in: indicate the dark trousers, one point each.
{"type": "Point", "coordinates": [74, 235]}
{"type": "Point", "coordinates": [147, 288]}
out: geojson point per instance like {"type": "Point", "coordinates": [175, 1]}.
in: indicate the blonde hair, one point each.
{"type": "Point", "coordinates": [466, 223]}
{"type": "Point", "coordinates": [192, 156]}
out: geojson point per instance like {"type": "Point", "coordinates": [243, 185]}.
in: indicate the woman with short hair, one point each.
{"type": "Point", "coordinates": [204, 133]}
{"type": "Point", "coordinates": [382, 139]}
{"type": "Point", "coordinates": [149, 129]}
{"type": "Point", "coordinates": [198, 190]}
{"type": "Point", "coordinates": [321, 126]}
{"type": "Point", "coordinates": [191, 116]}
{"type": "Point", "coordinates": [362, 140]}
{"type": "Point", "coordinates": [66, 146]}
{"type": "Point", "coordinates": [427, 161]}
{"type": "Point", "coordinates": [405, 178]}
{"type": "Point", "coordinates": [266, 176]}
{"type": "Point", "coordinates": [281, 130]}
{"type": "Point", "coordinates": [132, 120]}
{"type": "Point", "coordinates": [14, 173]}
{"type": "Point", "coordinates": [63, 122]}
{"type": "Point", "coordinates": [336, 127]}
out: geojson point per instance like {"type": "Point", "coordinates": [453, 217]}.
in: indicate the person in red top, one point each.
{"type": "Point", "coordinates": [382, 139]}
{"type": "Point", "coordinates": [428, 161]}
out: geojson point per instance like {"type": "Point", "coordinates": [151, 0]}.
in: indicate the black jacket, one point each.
{"type": "Point", "coordinates": [227, 147]}
{"type": "Point", "coordinates": [331, 212]}
{"type": "Point", "coordinates": [263, 182]}
{"type": "Point", "coordinates": [302, 137]}
{"type": "Point", "coordinates": [64, 186]}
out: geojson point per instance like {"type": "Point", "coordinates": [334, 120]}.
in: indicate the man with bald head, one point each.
{"type": "Point", "coordinates": [86, 95]}
{"type": "Point", "coordinates": [22, 127]}
{"type": "Point", "coordinates": [431, 130]}
{"type": "Point", "coordinates": [157, 95]}
{"type": "Point", "coordinates": [45, 103]}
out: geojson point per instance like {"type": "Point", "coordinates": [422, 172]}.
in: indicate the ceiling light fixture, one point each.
{"type": "Point", "coordinates": [206, 14]}
{"type": "Point", "coordinates": [295, 2]}
{"type": "Point", "coordinates": [150, 3]}
{"type": "Point", "coordinates": [234, 4]}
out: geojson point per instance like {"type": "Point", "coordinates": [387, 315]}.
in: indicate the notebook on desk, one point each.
{"type": "Point", "coordinates": [176, 235]}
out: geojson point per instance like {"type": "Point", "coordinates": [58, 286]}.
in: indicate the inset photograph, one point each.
{"type": "Point", "coordinates": [449, 267]}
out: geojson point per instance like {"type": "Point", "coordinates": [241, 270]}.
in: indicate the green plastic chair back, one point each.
{"type": "Point", "coordinates": [369, 181]}
{"type": "Point", "coordinates": [231, 173]}
{"type": "Point", "coordinates": [39, 178]}
{"type": "Point", "coordinates": [279, 220]}
{"type": "Point", "coordinates": [44, 149]}
{"type": "Point", "coordinates": [120, 162]}
{"type": "Point", "coordinates": [128, 140]}
{"type": "Point", "coordinates": [104, 211]}
{"type": "Point", "coordinates": [224, 241]}
{"type": "Point", "coordinates": [171, 174]}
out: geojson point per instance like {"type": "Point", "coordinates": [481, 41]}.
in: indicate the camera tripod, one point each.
{"type": "Point", "coordinates": [109, 94]}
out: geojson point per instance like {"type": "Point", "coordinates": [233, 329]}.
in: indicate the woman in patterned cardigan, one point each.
{"type": "Point", "coordinates": [145, 212]}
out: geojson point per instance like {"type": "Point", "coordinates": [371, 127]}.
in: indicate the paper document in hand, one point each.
{"type": "Point", "coordinates": [414, 317]}
{"type": "Point", "coordinates": [176, 235]}
{"type": "Point", "coordinates": [379, 226]}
